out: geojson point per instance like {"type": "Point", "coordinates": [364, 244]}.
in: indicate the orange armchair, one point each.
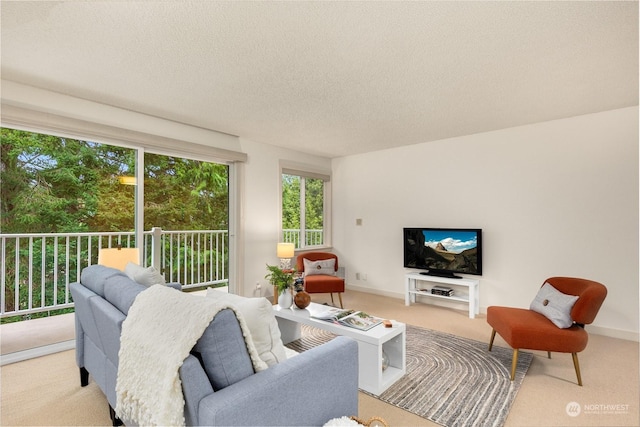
{"type": "Point", "coordinates": [323, 280]}
{"type": "Point", "coordinates": [528, 329]}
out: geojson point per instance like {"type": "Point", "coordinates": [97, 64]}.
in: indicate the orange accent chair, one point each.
{"type": "Point", "coordinates": [321, 283]}
{"type": "Point", "coordinates": [528, 329]}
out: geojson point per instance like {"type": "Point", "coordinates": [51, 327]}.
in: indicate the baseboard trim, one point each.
{"type": "Point", "coordinates": [593, 329]}
{"type": "Point", "coordinates": [613, 333]}
{"type": "Point", "coordinates": [383, 293]}
{"type": "Point", "coordinates": [31, 353]}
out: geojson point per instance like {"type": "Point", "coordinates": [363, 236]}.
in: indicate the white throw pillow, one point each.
{"type": "Point", "coordinates": [342, 422]}
{"type": "Point", "coordinates": [324, 266]}
{"type": "Point", "coordinates": [145, 276]}
{"type": "Point", "coordinates": [262, 323]}
{"type": "Point", "coordinates": [554, 305]}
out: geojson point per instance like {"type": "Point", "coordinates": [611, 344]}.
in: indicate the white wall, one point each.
{"type": "Point", "coordinates": [554, 198]}
{"type": "Point", "coordinates": [260, 208]}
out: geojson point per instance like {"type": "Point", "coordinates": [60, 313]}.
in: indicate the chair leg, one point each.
{"type": "Point", "coordinates": [577, 366]}
{"type": "Point", "coordinates": [340, 298]}
{"type": "Point", "coordinates": [84, 377]}
{"type": "Point", "coordinates": [493, 336]}
{"type": "Point", "coordinates": [332, 303]}
{"type": "Point", "coordinates": [514, 363]}
{"type": "Point", "coordinates": [548, 354]}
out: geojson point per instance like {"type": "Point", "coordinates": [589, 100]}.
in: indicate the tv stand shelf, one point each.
{"type": "Point", "coordinates": [413, 288]}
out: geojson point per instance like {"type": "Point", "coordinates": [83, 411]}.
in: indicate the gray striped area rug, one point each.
{"type": "Point", "coordinates": [450, 380]}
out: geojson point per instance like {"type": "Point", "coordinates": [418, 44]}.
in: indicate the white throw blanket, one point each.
{"type": "Point", "coordinates": [160, 330]}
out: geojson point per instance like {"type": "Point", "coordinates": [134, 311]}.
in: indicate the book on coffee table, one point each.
{"type": "Point", "coordinates": [351, 318]}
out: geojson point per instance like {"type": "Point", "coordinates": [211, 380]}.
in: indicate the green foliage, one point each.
{"type": "Point", "coordinates": [281, 279]}
{"type": "Point", "coordinates": [61, 185]}
{"type": "Point", "coordinates": [183, 194]}
{"type": "Point", "coordinates": [313, 203]}
{"type": "Point", "coordinates": [290, 201]}
{"type": "Point", "coordinates": [47, 182]}
{"type": "Point", "coordinates": [52, 184]}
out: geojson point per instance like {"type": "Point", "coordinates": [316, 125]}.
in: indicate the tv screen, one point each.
{"type": "Point", "coordinates": [443, 251]}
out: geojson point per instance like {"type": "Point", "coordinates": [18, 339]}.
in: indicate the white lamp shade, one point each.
{"type": "Point", "coordinates": [285, 250]}
{"type": "Point", "coordinates": [118, 258]}
{"type": "Point", "coordinates": [127, 180]}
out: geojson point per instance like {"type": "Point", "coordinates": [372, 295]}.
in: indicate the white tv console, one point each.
{"type": "Point", "coordinates": [412, 288]}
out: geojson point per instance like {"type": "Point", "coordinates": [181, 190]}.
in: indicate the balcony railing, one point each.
{"type": "Point", "coordinates": [311, 237]}
{"type": "Point", "coordinates": [38, 268]}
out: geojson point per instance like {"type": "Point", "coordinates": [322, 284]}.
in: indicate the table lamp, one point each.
{"type": "Point", "coordinates": [285, 252]}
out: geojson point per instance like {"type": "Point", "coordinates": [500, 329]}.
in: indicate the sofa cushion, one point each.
{"type": "Point", "coordinates": [122, 291]}
{"type": "Point", "coordinates": [94, 276]}
{"type": "Point", "coordinates": [146, 276]}
{"type": "Point", "coordinates": [262, 323]}
{"type": "Point", "coordinates": [554, 305]}
{"type": "Point", "coordinates": [325, 267]}
{"type": "Point", "coordinates": [223, 351]}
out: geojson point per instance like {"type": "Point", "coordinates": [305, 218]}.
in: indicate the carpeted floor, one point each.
{"type": "Point", "coordinates": [450, 380]}
{"type": "Point", "coordinates": [46, 390]}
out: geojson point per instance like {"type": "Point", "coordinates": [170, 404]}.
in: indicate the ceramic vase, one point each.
{"type": "Point", "coordinates": [285, 299]}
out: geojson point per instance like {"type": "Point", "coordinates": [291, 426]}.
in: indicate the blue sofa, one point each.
{"type": "Point", "coordinates": [307, 389]}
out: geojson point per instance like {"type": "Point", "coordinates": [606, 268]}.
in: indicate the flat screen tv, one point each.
{"type": "Point", "coordinates": [443, 251]}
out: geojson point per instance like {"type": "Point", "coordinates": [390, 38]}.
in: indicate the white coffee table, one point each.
{"type": "Point", "coordinates": [371, 344]}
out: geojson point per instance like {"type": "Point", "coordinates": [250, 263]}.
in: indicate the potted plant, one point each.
{"type": "Point", "coordinates": [282, 280]}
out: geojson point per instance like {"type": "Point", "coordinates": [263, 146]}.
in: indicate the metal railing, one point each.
{"type": "Point", "coordinates": [37, 268]}
{"type": "Point", "coordinates": [311, 237]}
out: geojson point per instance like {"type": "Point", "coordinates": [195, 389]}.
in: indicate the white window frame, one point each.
{"type": "Point", "coordinates": [33, 121]}
{"type": "Point", "coordinates": [304, 171]}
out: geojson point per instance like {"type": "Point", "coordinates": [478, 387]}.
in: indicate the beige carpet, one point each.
{"type": "Point", "coordinates": [46, 390]}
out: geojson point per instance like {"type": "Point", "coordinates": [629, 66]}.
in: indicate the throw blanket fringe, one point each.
{"type": "Point", "coordinates": [160, 330]}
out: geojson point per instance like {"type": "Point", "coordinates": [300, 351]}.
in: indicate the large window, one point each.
{"type": "Point", "coordinates": [305, 207]}
{"type": "Point", "coordinates": [62, 200]}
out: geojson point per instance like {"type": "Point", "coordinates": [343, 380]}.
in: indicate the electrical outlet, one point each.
{"type": "Point", "coordinates": [257, 292]}
{"type": "Point", "coordinates": [357, 276]}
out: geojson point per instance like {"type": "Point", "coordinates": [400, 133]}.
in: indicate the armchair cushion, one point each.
{"type": "Point", "coordinates": [323, 284]}
{"type": "Point", "coordinates": [554, 305]}
{"type": "Point", "coordinates": [325, 267]}
{"type": "Point", "coordinates": [526, 329]}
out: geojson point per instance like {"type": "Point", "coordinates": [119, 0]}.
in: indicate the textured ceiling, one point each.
{"type": "Point", "coordinates": [331, 78]}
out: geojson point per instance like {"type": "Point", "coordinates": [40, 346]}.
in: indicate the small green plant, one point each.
{"type": "Point", "coordinates": [281, 279]}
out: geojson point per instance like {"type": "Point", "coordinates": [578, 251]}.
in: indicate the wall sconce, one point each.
{"type": "Point", "coordinates": [127, 180]}
{"type": "Point", "coordinates": [285, 252]}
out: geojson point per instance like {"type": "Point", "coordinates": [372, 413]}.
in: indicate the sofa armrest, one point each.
{"type": "Point", "coordinates": [307, 389]}
{"type": "Point", "coordinates": [195, 386]}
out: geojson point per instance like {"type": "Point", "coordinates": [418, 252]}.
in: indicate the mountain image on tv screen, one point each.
{"type": "Point", "coordinates": [441, 249]}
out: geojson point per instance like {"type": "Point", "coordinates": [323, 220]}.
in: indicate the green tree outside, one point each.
{"type": "Point", "coordinates": [313, 204]}
{"type": "Point", "coordinates": [51, 184]}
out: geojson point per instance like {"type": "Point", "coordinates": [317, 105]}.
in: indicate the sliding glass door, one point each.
{"type": "Point", "coordinates": [188, 200]}
{"type": "Point", "coordinates": [63, 199]}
